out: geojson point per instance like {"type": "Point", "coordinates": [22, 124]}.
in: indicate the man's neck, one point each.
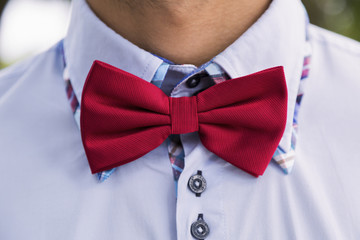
{"type": "Point", "coordinates": [183, 31]}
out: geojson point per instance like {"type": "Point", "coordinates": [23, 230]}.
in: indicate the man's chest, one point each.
{"type": "Point", "coordinates": [53, 195]}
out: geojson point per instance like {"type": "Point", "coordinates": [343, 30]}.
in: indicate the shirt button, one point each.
{"type": "Point", "coordinates": [197, 183]}
{"type": "Point", "coordinates": [193, 81]}
{"type": "Point", "coordinates": [199, 229]}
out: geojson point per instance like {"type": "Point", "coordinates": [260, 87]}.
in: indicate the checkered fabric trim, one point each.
{"type": "Point", "coordinates": [176, 156]}
{"type": "Point", "coordinates": [286, 159]}
{"type": "Point", "coordinates": [160, 74]}
{"type": "Point", "coordinates": [75, 107]}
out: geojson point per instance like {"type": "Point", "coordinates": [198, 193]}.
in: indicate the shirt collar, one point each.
{"type": "Point", "coordinates": [277, 38]}
{"type": "Point", "coordinates": [89, 39]}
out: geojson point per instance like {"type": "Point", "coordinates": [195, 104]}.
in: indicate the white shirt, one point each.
{"type": "Point", "coordinates": [47, 190]}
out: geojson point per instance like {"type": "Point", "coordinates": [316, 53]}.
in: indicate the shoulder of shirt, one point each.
{"type": "Point", "coordinates": [11, 75]}
{"type": "Point", "coordinates": [333, 40]}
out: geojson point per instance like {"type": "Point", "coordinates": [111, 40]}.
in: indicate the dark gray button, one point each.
{"type": "Point", "coordinates": [197, 183]}
{"type": "Point", "coordinates": [199, 229]}
{"type": "Point", "coordinates": [193, 81]}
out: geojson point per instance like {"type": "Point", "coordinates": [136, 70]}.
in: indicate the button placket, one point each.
{"type": "Point", "coordinates": [196, 183]}
{"type": "Point", "coordinates": [210, 204]}
{"type": "Point", "coordinates": [189, 203]}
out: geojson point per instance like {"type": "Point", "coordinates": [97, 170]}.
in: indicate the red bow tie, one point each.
{"type": "Point", "coordinates": [123, 117]}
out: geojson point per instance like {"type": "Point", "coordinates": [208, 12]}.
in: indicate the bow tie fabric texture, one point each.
{"type": "Point", "coordinates": [123, 117]}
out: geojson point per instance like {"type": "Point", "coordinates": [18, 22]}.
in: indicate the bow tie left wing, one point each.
{"type": "Point", "coordinates": [123, 117]}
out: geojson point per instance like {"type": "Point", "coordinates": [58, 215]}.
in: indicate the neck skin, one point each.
{"type": "Point", "coordinates": [182, 31]}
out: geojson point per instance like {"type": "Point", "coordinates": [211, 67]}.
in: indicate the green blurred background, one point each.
{"type": "Point", "coordinates": [341, 16]}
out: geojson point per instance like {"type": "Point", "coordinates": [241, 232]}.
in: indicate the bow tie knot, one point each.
{"type": "Point", "coordinates": [183, 114]}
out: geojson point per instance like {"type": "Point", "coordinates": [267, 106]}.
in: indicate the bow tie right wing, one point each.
{"type": "Point", "coordinates": [242, 120]}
